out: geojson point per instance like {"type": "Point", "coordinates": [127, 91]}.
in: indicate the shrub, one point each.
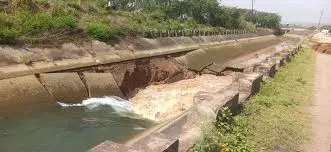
{"type": "Point", "coordinates": [6, 20]}
{"type": "Point", "coordinates": [27, 24]}
{"type": "Point", "coordinates": [99, 31]}
{"type": "Point", "coordinates": [134, 29]}
{"type": "Point", "coordinates": [42, 22]}
{"type": "Point", "coordinates": [65, 21]}
{"type": "Point", "coordinates": [191, 23]}
{"type": "Point", "coordinates": [8, 35]}
{"type": "Point", "coordinates": [26, 59]}
{"type": "Point", "coordinates": [36, 23]}
{"type": "Point", "coordinates": [229, 133]}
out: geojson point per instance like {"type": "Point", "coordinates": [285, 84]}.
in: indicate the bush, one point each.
{"type": "Point", "coordinates": [42, 22]}
{"type": "Point", "coordinates": [100, 32]}
{"type": "Point", "coordinates": [36, 23]}
{"type": "Point", "coordinates": [13, 26]}
{"type": "Point", "coordinates": [229, 133]}
{"type": "Point", "coordinates": [8, 35]}
{"type": "Point", "coordinates": [6, 20]}
{"type": "Point", "coordinates": [65, 21]}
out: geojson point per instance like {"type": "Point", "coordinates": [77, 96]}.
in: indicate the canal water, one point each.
{"type": "Point", "coordinates": [61, 127]}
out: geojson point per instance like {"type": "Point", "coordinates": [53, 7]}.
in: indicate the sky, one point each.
{"type": "Point", "coordinates": [292, 11]}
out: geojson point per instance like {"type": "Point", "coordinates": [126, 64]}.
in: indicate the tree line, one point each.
{"type": "Point", "coordinates": [208, 12]}
{"type": "Point", "coordinates": [32, 21]}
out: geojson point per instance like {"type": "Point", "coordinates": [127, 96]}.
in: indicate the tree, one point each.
{"type": "Point", "coordinates": [268, 20]}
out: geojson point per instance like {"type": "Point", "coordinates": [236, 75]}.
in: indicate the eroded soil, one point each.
{"type": "Point", "coordinates": [323, 48]}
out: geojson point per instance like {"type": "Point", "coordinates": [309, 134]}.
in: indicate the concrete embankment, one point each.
{"type": "Point", "coordinates": [239, 79]}
{"type": "Point", "coordinates": [127, 73]}
{"type": "Point", "coordinates": [69, 81]}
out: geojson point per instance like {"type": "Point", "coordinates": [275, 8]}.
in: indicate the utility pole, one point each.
{"type": "Point", "coordinates": [252, 6]}
{"type": "Point", "coordinates": [319, 22]}
{"type": "Point", "coordinates": [252, 11]}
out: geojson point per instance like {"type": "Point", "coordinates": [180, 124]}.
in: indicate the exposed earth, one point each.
{"type": "Point", "coordinates": [323, 48]}
{"type": "Point", "coordinates": [323, 43]}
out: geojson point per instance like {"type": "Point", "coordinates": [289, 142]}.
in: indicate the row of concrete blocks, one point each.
{"type": "Point", "coordinates": [183, 132]}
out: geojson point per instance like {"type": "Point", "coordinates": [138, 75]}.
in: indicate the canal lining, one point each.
{"type": "Point", "coordinates": [51, 73]}
{"type": "Point", "coordinates": [181, 128]}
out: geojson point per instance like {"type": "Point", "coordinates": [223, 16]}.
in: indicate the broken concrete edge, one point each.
{"type": "Point", "coordinates": [211, 60]}
{"type": "Point", "coordinates": [89, 88]}
{"type": "Point", "coordinates": [251, 63]}
{"type": "Point", "coordinates": [205, 113]}
{"type": "Point", "coordinates": [46, 67]}
{"type": "Point", "coordinates": [144, 141]}
{"type": "Point", "coordinates": [101, 84]}
{"type": "Point", "coordinates": [158, 128]}
{"type": "Point", "coordinates": [235, 67]}
{"type": "Point", "coordinates": [269, 64]}
{"type": "Point", "coordinates": [249, 85]}
{"type": "Point", "coordinates": [269, 67]}
{"type": "Point", "coordinates": [170, 134]}
{"type": "Point", "coordinates": [175, 128]}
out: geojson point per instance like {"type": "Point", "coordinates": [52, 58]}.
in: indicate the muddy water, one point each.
{"type": "Point", "coordinates": [166, 101]}
{"type": "Point", "coordinates": [52, 128]}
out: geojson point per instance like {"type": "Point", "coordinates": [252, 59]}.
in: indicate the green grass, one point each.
{"type": "Point", "coordinates": [45, 21]}
{"type": "Point", "coordinates": [275, 119]}
{"type": "Point", "coordinates": [16, 27]}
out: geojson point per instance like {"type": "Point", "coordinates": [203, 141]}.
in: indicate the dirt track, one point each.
{"type": "Point", "coordinates": [321, 110]}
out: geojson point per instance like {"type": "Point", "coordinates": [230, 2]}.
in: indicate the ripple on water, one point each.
{"type": "Point", "coordinates": [55, 128]}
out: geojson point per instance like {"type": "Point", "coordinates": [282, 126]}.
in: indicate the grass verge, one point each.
{"type": "Point", "coordinates": [276, 119]}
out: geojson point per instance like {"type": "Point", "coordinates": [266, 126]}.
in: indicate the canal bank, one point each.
{"type": "Point", "coordinates": [72, 83]}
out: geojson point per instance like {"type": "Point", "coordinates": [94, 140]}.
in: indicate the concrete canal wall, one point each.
{"type": "Point", "coordinates": [247, 61]}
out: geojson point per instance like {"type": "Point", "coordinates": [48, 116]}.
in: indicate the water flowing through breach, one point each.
{"type": "Point", "coordinates": [70, 127]}
{"type": "Point", "coordinates": [116, 103]}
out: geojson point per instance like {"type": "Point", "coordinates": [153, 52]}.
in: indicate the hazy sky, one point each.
{"type": "Point", "coordinates": [292, 11]}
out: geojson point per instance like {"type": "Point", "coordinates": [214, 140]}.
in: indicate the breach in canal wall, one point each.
{"type": "Point", "coordinates": [180, 133]}
{"type": "Point", "coordinates": [73, 80]}
{"type": "Point", "coordinates": [241, 62]}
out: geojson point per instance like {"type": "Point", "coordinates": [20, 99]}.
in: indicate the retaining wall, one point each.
{"type": "Point", "coordinates": [181, 133]}
{"type": "Point", "coordinates": [71, 81]}
{"type": "Point", "coordinates": [122, 73]}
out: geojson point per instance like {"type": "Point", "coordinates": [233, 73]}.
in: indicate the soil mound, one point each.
{"type": "Point", "coordinates": [323, 48]}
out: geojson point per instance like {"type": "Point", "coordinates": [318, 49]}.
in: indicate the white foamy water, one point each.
{"type": "Point", "coordinates": [167, 101]}
{"type": "Point", "coordinates": [117, 103]}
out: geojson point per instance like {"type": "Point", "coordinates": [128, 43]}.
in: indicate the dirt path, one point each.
{"type": "Point", "coordinates": [321, 109]}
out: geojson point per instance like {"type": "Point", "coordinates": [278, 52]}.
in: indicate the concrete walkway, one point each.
{"type": "Point", "coordinates": [321, 110]}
